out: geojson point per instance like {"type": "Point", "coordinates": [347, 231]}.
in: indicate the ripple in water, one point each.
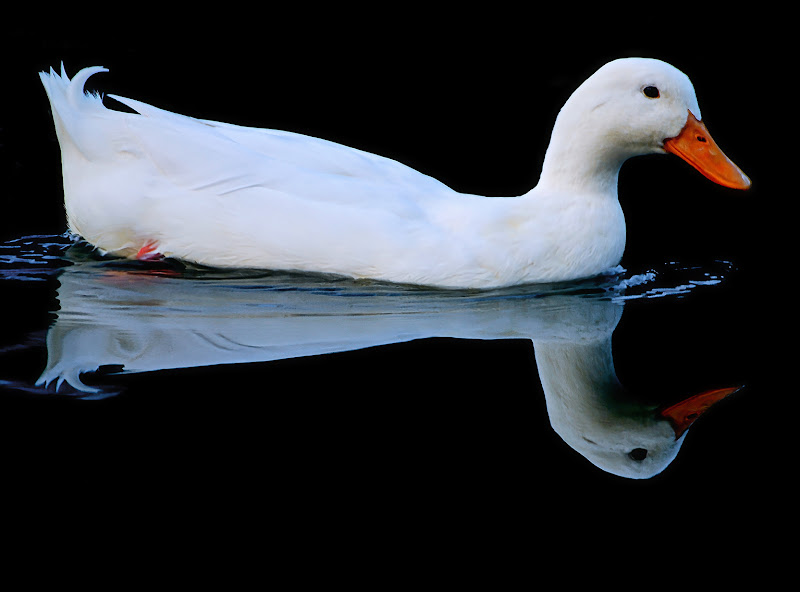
{"type": "Point", "coordinates": [39, 257]}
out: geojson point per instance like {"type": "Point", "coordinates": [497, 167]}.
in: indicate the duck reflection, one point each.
{"type": "Point", "coordinates": [130, 320]}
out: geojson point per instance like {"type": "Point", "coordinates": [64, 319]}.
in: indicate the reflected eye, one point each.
{"type": "Point", "coordinates": [651, 92]}
{"type": "Point", "coordinates": [638, 454]}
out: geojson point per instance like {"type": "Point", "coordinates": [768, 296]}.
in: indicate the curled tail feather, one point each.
{"type": "Point", "coordinates": [60, 88]}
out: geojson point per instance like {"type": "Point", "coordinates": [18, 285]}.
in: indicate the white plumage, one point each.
{"type": "Point", "coordinates": [230, 196]}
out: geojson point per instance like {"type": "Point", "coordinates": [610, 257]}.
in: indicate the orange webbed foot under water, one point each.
{"type": "Point", "coordinates": [149, 252]}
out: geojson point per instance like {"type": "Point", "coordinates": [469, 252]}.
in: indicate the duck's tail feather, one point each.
{"type": "Point", "coordinates": [64, 92]}
{"type": "Point", "coordinates": [70, 103]}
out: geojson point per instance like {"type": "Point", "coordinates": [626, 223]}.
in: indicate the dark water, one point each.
{"type": "Point", "coordinates": [170, 371]}
{"type": "Point", "coordinates": [133, 390]}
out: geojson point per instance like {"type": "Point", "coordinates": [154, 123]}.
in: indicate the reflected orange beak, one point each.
{"type": "Point", "coordinates": [682, 415]}
{"type": "Point", "coordinates": [695, 146]}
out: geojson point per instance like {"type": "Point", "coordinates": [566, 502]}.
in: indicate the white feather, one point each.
{"type": "Point", "coordinates": [226, 195]}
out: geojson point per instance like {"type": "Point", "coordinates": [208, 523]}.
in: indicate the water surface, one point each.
{"type": "Point", "coordinates": [159, 338]}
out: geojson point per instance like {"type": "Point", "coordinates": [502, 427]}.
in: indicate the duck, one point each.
{"type": "Point", "coordinates": [154, 183]}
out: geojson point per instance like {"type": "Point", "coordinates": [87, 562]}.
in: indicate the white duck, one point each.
{"type": "Point", "coordinates": [161, 184]}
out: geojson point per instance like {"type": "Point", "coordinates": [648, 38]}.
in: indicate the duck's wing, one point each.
{"type": "Point", "coordinates": [219, 158]}
{"type": "Point", "coordinates": [205, 154]}
{"type": "Point", "coordinates": [324, 156]}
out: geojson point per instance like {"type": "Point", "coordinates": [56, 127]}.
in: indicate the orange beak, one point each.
{"type": "Point", "coordinates": [683, 414]}
{"type": "Point", "coordinates": [695, 146]}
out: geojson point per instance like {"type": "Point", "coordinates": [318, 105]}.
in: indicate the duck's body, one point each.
{"type": "Point", "coordinates": [231, 196]}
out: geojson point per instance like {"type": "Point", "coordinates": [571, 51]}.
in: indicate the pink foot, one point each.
{"type": "Point", "coordinates": [148, 252]}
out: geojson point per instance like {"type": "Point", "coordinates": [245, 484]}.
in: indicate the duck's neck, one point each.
{"type": "Point", "coordinates": [578, 375]}
{"type": "Point", "coordinates": [579, 161]}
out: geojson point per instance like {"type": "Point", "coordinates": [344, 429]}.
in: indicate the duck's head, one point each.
{"type": "Point", "coordinates": [636, 106]}
{"type": "Point", "coordinates": [629, 439]}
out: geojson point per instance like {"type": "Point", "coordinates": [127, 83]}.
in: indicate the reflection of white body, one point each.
{"type": "Point", "coordinates": [225, 195]}
{"type": "Point", "coordinates": [146, 323]}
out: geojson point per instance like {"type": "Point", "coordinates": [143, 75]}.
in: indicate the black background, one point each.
{"type": "Point", "coordinates": [437, 440]}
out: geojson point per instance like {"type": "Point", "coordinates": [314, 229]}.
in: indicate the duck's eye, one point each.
{"type": "Point", "coordinates": [638, 454]}
{"type": "Point", "coordinates": [651, 92]}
